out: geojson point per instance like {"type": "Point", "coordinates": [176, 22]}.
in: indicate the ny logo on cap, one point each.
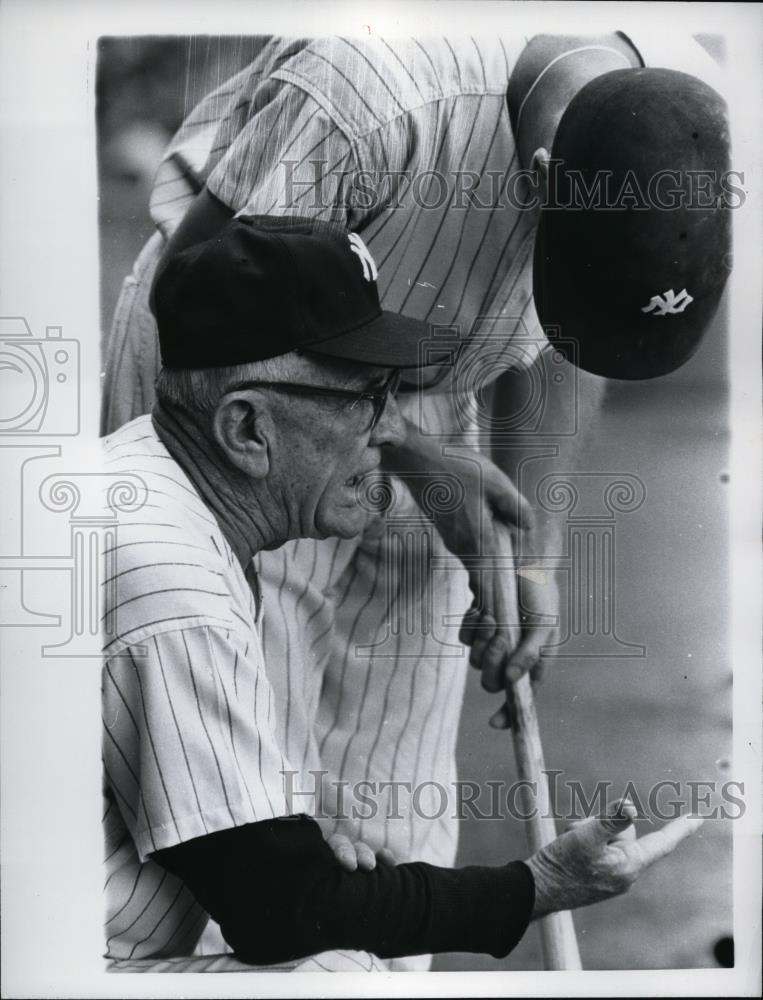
{"type": "Point", "coordinates": [369, 267]}
{"type": "Point", "coordinates": [668, 302]}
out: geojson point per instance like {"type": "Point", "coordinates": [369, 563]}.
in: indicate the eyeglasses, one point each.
{"type": "Point", "coordinates": [378, 398]}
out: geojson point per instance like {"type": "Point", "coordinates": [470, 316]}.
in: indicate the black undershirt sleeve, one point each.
{"type": "Point", "coordinates": [278, 893]}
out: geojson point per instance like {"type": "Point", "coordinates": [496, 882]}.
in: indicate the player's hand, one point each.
{"type": "Point", "coordinates": [599, 858]}
{"type": "Point", "coordinates": [483, 530]}
{"type": "Point", "coordinates": [491, 627]}
{"type": "Point", "coordinates": [486, 525]}
{"type": "Point", "coordinates": [538, 602]}
{"type": "Point", "coordinates": [357, 855]}
{"type": "Point", "coordinates": [511, 620]}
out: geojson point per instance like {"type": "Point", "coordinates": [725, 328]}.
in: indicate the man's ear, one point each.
{"type": "Point", "coordinates": [549, 72]}
{"type": "Point", "coordinates": [242, 429]}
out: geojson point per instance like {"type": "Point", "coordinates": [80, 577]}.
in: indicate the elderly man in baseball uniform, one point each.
{"type": "Point", "coordinates": [367, 133]}
{"type": "Point", "coordinates": [265, 421]}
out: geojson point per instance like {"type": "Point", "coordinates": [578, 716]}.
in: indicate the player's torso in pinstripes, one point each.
{"type": "Point", "coordinates": [192, 738]}
{"type": "Point", "coordinates": [432, 115]}
{"type": "Point", "coordinates": [448, 263]}
{"type": "Point", "coordinates": [412, 146]}
{"type": "Point", "coordinates": [170, 563]}
{"type": "Point", "coordinates": [450, 248]}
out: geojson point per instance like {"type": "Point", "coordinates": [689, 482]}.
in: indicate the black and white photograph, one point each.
{"type": "Point", "coordinates": [380, 578]}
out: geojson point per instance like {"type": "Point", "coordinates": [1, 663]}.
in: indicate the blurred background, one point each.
{"type": "Point", "coordinates": [665, 716]}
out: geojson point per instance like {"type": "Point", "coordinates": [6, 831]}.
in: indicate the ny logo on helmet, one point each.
{"type": "Point", "coordinates": [668, 302]}
{"type": "Point", "coordinates": [369, 267]}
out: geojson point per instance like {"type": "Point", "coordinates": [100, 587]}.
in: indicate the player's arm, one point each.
{"type": "Point", "coordinates": [489, 505]}
{"type": "Point", "coordinates": [277, 892]}
{"type": "Point", "coordinates": [190, 744]}
{"type": "Point", "coordinates": [274, 885]}
{"type": "Point", "coordinates": [551, 449]}
{"type": "Point", "coordinates": [549, 72]}
{"type": "Point", "coordinates": [495, 500]}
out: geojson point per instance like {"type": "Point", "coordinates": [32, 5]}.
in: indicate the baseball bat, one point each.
{"type": "Point", "coordinates": [557, 931]}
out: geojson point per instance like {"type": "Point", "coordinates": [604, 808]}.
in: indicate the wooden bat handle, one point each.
{"type": "Point", "coordinates": [557, 931]}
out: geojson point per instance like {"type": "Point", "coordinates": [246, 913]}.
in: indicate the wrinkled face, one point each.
{"type": "Point", "coordinates": [326, 447]}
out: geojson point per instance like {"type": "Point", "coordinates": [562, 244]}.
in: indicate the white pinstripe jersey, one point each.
{"type": "Point", "coordinates": [406, 106]}
{"type": "Point", "coordinates": [413, 110]}
{"type": "Point", "coordinates": [314, 128]}
{"type": "Point", "coordinates": [335, 115]}
{"type": "Point", "coordinates": [409, 108]}
{"type": "Point", "coordinates": [190, 743]}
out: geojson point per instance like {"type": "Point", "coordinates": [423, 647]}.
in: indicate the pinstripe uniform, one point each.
{"type": "Point", "coordinates": [372, 678]}
{"type": "Point", "coordinates": [370, 674]}
{"type": "Point", "coordinates": [339, 116]}
{"type": "Point", "coordinates": [192, 738]}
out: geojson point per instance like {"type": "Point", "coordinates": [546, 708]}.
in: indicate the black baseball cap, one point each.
{"type": "Point", "coordinates": [268, 285]}
{"type": "Point", "coordinates": [632, 249]}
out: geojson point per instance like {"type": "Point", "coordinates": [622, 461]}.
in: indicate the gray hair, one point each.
{"type": "Point", "coordinates": [197, 391]}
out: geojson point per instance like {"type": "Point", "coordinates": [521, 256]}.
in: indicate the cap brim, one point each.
{"type": "Point", "coordinates": [389, 341]}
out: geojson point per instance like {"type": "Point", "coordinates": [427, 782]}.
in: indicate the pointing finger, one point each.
{"type": "Point", "coordinates": [657, 845]}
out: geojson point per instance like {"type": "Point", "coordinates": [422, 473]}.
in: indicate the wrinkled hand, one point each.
{"type": "Point", "coordinates": [484, 532]}
{"type": "Point", "coordinates": [357, 855]}
{"type": "Point", "coordinates": [487, 525]}
{"type": "Point", "coordinates": [600, 858]}
{"type": "Point", "coordinates": [538, 604]}
{"type": "Point", "coordinates": [504, 646]}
